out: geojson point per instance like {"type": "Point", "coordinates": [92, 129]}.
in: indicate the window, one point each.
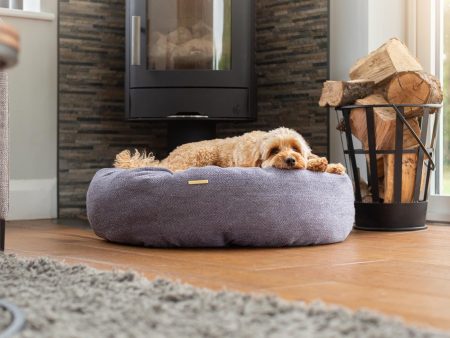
{"type": "Point", "coordinates": [25, 5]}
{"type": "Point", "coordinates": [28, 9]}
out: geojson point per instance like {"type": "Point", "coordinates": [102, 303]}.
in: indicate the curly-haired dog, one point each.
{"type": "Point", "coordinates": [281, 148]}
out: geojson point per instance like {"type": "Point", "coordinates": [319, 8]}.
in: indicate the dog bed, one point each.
{"type": "Point", "coordinates": [217, 207]}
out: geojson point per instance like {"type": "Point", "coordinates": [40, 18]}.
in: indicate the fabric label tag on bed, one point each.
{"type": "Point", "coordinates": [195, 182]}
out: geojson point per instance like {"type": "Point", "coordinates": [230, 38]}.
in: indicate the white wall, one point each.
{"type": "Point", "coordinates": [348, 42]}
{"type": "Point", "coordinates": [387, 19]}
{"type": "Point", "coordinates": [33, 118]}
{"type": "Point", "coordinates": [356, 28]}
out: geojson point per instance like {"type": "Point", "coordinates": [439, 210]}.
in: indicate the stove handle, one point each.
{"type": "Point", "coordinates": [192, 117]}
{"type": "Point", "coordinates": [135, 40]}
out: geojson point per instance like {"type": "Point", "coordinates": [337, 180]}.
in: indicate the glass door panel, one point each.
{"type": "Point", "coordinates": [189, 34]}
{"type": "Point", "coordinates": [446, 109]}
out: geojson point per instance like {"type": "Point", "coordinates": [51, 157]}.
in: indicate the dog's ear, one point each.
{"type": "Point", "coordinates": [306, 150]}
{"type": "Point", "coordinates": [254, 158]}
{"type": "Point", "coordinates": [247, 152]}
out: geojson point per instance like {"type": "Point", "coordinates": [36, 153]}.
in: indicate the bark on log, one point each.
{"type": "Point", "coordinates": [340, 93]}
{"type": "Point", "coordinates": [389, 59]}
{"type": "Point", "coordinates": [414, 88]}
{"type": "Point", "coordinates": [341, 126]}
{"type": "Point", "coordinates": [366, 190]}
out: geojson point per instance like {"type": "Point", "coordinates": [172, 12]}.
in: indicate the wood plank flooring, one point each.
{"type": "Point", "coordinates": [404, 274]}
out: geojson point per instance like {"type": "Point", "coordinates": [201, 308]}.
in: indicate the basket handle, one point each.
{"type": "Point", "coordinates": [405, 122]}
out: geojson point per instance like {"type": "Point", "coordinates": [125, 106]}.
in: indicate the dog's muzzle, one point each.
{"type": "Point", "coordinates": [290, 162]}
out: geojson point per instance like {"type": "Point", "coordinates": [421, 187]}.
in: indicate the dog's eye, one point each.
{"type": "Point", "coordinates": [274, 151]}
{"type": "Point", "coordinates": [294, 148]}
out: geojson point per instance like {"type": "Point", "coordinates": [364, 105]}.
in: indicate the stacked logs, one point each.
{"type": "Point", "coordinates": [183, 48]}
{"type": "Point", "coordinates": [388, 75]}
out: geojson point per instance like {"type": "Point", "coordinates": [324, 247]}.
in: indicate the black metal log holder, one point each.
{"type": "Point", "coordinates": [397, 216]}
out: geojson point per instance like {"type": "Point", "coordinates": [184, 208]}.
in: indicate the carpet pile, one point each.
{"type": "Point", "coordinates": [61, 300]}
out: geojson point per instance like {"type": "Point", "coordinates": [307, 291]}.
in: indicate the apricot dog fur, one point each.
{"type": "Point", "coordinates": [281, 148]}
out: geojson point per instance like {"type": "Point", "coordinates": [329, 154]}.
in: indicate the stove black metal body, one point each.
{"type": "Point", "coordinates": [190, 60]}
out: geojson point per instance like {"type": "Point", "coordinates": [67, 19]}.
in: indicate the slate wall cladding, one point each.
{"type": "Point", "coordinates": [291, 64]}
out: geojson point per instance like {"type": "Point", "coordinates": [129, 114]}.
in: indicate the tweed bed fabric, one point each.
{"type": "Point", "coordinates": [76, 301]}
{"type": "Point", "coordinates": [237, 207]}
{"type": "Point", "coordinates": [4, 174]}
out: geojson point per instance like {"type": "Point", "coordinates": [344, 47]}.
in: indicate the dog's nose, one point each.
{"type": "Point", "coordinates": [290, 161]}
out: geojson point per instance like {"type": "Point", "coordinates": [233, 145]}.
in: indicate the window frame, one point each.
{"type": "Point", "coordinates": [7, 10]}
{"type": "Point", "coordinates": [429, 41]}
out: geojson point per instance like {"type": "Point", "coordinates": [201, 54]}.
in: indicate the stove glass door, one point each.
{"type": "Point", "coordinates": [189, 35]}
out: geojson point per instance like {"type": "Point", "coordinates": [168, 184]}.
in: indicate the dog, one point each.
{"type": "Point", "coordinates": [280, 148]}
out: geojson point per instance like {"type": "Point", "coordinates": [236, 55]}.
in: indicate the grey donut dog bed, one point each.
{"type": "Point", "coordinates": [217, 207]}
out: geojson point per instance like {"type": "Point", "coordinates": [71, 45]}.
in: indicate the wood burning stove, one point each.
{"type": "Point", "coordinates": [190, 60]}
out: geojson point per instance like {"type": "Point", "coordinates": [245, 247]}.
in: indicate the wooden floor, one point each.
{"type": "Point", "coordinates": [404, 274]}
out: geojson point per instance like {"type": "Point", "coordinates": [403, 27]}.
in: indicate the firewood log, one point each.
{"type": "Point", "coordinates": [385, 127]}
{"type": "Point", "coordinates": [194, 54]}
{"type": "Point", "coordinates": [159, 51]}
{"type": "Point", "coordinates": [201, 29]}
{"type": "Point", "coordinates": [380, 65]}
{"type": "Point", "coordinates": [179, 35]}
{"type": "Point", "coordinates": [341, 125]}
{"type": "Point", "coordinates": [366, 190]}
{"type": "Point", "coordinates": [380, 166]}
{"type": "Point", "coordinates": [385, 121]}
{"type": "Point", "coordinates": [381, 187]}
{"type": "Point", "coordinates": [340, 93]}
{"type": "Point", "coordinates": [414, 88]}
{"type": "Point", "coordinates": [366, 195]}
{"type": "Point", "coordinates": [409, 165]}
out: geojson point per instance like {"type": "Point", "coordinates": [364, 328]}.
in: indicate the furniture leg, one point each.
{"type": "Point", "coordinates": [2, 235]}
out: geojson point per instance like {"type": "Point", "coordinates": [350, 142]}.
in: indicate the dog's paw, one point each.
{"type": "Point", "coordinates": [317, 164]}
{"type": "Point", "coordinates": [336, 168]}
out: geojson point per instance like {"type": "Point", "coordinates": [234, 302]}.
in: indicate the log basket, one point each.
{"type": "Point", "coordinates": [396, 216]}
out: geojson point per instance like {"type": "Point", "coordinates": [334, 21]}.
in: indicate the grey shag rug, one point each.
{"type": "Point", "coordinates": [76, 301]}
